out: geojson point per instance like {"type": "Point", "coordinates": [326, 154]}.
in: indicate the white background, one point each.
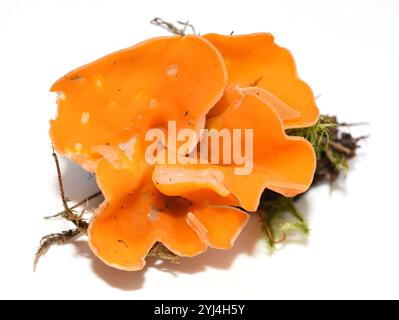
{"type": "Point", "coordinates": [348, 51]}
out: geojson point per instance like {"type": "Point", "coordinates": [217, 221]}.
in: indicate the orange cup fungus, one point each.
{"type": "Point", "coordinates": [214, 81]}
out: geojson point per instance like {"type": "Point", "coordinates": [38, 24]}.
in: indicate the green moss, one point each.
{"type": "Point", "coordinates": [279, 219]}
{"type": "Point", "coordinates": [318, 135]}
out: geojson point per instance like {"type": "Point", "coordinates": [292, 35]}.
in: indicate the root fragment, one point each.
{"type": "Point", "coordinates": [54, 239]}
{"type": "Point", "coordinates": [69, 214]}
{"type": "Point", "coordinates": [81, 226]}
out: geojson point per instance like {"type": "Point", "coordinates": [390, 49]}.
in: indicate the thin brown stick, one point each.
{"type": "Point", "coordinates": [60, 182]}
{"type": "Point", "coordinates": [355, 124]}
{"type": "Point", "coordinates": [158, 250]}
{"type": "Point", "coordinates": [362, 138]}
{"type": "Point", "coordinates": [269, 232]}
{"type": "Point", "coordinates": [339, 147]}
{"type": "Point", "coordinates": [255, 83]}
{"type": "Point", "coordinates": [68, 213]}
{"type": "Point", "coordinates": [95, 195]}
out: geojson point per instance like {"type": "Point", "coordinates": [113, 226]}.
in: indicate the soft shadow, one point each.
{"type": "Point", "coordinates": [218, 259]}
{"type": "Point", "coordinates": [304, 206]}
{"type": "Point", "coordinates": [79, 184]}
{"type": "Point", "coordinates": [119, 279]}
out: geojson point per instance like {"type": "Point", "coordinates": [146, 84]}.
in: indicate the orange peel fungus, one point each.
{"type": "Point", "coordinates": [216, 82]}
{"type": "Point", "coordinates": [255, 60]}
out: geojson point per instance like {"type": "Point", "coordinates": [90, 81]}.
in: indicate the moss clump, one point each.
{"type": "Point", "coordinates": [279, 218]}
{"type": "Point", "coordinates": [333, 148]}
{"type": "Point", "coordinates": [319, 134]}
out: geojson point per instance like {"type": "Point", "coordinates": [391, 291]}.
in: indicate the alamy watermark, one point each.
{"type": "Point", "coordinates": [220, 147]}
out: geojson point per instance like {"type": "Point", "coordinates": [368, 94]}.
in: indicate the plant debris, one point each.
{"type": "Point", "coordinates": [278, 214]}
{"type": "Point", "coordinates": [81, 225]}
{"type": "Point", "coordinates": [54, 239]}
{"type": "Point", "coordinates": [159, 251]}
{"type": "Point", "coordinates": [334, 148]}
{"type": "Point", "coordinates": [172, 28]}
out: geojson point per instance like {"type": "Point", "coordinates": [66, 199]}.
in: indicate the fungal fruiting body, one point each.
{"type": "Point", "coordinates": [255, 60]}
{"type": "Point", "coordinates": [113, 99]}
{"type": "Point", "coordinates": [280, 163]}
{"type": "Point", "coordinates": [224, 83]}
